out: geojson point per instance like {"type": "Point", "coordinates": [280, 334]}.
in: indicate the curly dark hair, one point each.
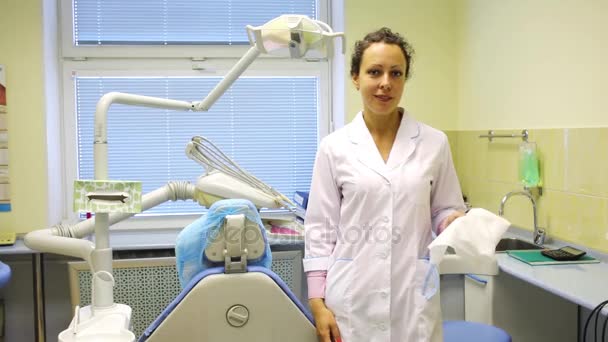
{"type": "Point", "coordinates": [384, 35]}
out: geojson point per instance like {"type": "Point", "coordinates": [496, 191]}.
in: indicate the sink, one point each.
{"type": "Point", "coordinates": [510, 244]}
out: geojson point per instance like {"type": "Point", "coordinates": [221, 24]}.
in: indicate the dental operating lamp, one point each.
{"type": "Point", "coordinates": [291, 36]}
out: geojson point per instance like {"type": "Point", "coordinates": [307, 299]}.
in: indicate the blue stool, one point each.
{"type": "Point", "coordinates": [5, 274]}
{"type": "Point", "coordinates": [461, 331]}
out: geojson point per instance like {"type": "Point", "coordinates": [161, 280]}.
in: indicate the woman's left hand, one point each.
{"type": "Point", "coordinates": [446, 222]}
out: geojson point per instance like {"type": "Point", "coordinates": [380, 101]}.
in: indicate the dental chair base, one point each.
{"type": "Point", "coordinates": [107, 324]}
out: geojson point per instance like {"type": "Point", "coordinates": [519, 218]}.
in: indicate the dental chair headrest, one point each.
{"type": "Point", "coordinates": [238, 237]}
{"type": "Point", "coordinates": [230, 235]}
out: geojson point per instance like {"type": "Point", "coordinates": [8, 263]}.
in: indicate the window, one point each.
{"type": "Point", "coordinates": [269, 121]}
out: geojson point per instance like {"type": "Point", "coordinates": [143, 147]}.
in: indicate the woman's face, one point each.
{"type": "Point", "coordinates": [381, 78]}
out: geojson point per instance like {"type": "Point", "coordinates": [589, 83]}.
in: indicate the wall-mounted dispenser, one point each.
{"type": "Point", "coordinates": [529, 174]}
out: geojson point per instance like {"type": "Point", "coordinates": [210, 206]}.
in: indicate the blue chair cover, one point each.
{"type": "Point", "coordinates": [464, 331]}
{"type": "Point", "coordinates": [5, 274]}
{"type": "Point", "coordinates": [192, 240]}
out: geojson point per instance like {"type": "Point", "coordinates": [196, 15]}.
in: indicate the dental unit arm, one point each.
{"type": "Point", "coordinates": [287, 36]}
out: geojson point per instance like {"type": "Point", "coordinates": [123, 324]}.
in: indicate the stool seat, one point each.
{"type": "Point", "coordinates": [5, 274]}
{"type": "Point", "coordinates": [461, 331]}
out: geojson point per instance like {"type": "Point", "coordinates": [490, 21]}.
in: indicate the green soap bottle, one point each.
{"type": "Point", "coordinates": [529, 174]}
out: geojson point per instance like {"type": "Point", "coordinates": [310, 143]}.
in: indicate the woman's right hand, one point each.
{"type": "Point", "coordinates": [327, 327]}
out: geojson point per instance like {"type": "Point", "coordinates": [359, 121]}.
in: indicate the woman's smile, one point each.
{"type": "Point", "coordinates": [383, 98]}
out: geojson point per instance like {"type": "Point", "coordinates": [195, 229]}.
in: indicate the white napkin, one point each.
{"type": "Point", "coordinates": [474, 235]}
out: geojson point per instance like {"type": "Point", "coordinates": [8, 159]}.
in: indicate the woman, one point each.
{"type": "Point", "coordinates": [381, 187]}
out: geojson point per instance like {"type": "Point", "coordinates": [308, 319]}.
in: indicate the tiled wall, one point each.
{"type": "Point", "coordinates": [574, 171]}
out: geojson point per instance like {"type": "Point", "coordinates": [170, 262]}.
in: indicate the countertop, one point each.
{"type": "Point", "coordinates": [583, 284]}
{"type": "Point", "coordinates": [18, 248]}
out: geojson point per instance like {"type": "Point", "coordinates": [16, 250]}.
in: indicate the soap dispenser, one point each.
{"type": "Point", "coordinates": [529, 174]}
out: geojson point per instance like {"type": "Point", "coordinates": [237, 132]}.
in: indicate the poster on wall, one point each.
{"type": "Point", "coordinates": [4, 181]}
{"type": "Point", "coordinates": [2, 90]}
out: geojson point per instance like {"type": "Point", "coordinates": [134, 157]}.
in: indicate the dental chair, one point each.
{"type": "Point", "coordinates": [228, 299]}
{"type": "Point", "coordinates": [5, 277]}
{"type": "Point", "coordinates": [5, 274]}
{"type": "Point", "coordinates": [465, 331]}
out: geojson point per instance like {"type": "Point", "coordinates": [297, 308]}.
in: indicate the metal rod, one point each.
{"type": "Point", "coordinates": [39, 330]}
{"type": "Point", "coordinates": [491, 135]}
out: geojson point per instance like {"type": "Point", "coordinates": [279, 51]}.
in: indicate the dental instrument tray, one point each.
{"type": "Point", "coordinates": [536, 258]}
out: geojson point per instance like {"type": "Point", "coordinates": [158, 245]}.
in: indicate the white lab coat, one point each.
{"type": "Point", "coordinates": [369, 223]}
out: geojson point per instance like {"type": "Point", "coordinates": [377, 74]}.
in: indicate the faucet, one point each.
{"type": "Point", "coordinates": [539, 233]}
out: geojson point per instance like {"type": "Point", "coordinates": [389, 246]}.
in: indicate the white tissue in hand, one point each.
{"type": "Point", "coordinates": [474, 235]}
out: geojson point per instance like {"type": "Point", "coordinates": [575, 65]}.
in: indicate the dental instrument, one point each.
{"type": "Point", "coordinates": [216, 163]}
{"type": "Point", "coordinates": [293, 36]}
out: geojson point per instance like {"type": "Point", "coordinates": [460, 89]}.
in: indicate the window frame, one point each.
{"type": "Point", "coordinates": [168, 61]}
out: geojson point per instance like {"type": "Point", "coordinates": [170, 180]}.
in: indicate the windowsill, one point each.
{"type": "Point", "coordinates": [178, 222]}
{"type": "Point", "coordinates": [141, 239]}
{"type": "Point", "coordinates": [144, 239]}
{"type": "Point", "coordinates": [160, 232]}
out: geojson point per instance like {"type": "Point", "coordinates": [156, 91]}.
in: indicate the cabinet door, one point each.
{"type": "Point", "coordinates": [529, 313]}
{"type": "Point", "coordinates": [478, 294]}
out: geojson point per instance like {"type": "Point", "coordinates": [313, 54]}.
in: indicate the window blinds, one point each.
{"type": "Point", "coordinates": [175, 22]}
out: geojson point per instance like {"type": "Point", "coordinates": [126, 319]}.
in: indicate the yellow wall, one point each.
{"type": "Point", "coordinates": [539, 65]}
{"type": "Point", "coordinates": [21, 53]}
{"type": "Point", "coordinates": [431, 93]}
{"type": "Point", "coordinates": [574, 202]}
{"type": "Point", "coordinates": [534, 64]}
